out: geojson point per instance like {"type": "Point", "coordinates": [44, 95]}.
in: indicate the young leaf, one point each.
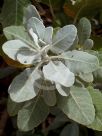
{"type": "Point", "coordinates": [12, 47]}
{"type": "Point", "coordinates": [37, 26]}
{"type": "Point", "coordinates": [97, 101]}
{"type": "Point", "coordinates": [29, 12]}
{"type": "Point", "coordinates": [22, 87]}
{"type": "Point", "coordinates": [58, 73]}
{"type": "Point", "coordinates": [70, 130]}
{"type": "Point", "coordinates": [78, 106]}
{"type": "Point", "coordinates": [88, 44]}
{"type": "Point", "coordinates": [80, 62]}
{"type": "Point", "coordinates": [84, 30]}
{"type": "Point", "coordinates": [64, 38]}
{"type": "Point", "coordinates": [32, 115]}
{"type": "Point", "coordinates": [48, 35]}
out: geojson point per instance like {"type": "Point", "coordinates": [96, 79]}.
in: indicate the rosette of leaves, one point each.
{"type": "Point", "coordinates": [57, 74]}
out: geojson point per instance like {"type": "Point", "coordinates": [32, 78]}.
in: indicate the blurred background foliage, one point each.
{"type": "Point", "coordinates": [53, 12]}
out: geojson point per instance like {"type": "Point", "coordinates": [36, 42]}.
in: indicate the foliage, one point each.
{"type": "Point", "coordinates": [12, 12]}
{"type": "Point", "coordinates": [58, 70]}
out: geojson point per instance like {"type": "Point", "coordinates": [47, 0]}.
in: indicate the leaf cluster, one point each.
{"type": "Point", "coordinates": [59, 71]}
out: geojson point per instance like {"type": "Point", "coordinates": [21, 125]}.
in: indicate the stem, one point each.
{"type": "Point", "coordinates": [45, 48]}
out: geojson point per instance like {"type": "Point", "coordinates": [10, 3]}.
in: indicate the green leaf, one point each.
{"type": "Point", "coordinates": [64, 38]}
{"type": "Point", "coordinates": [12, 12]}
{"type": "Point", "coordinates": [98, 75]}
{"type": "Point", "coordinates": [87, 77]}
{"type": "Point", "coordinates": [22, 86]}
{"type": "Point", "coordinates": [29, 12]}
{"type": "Point", "coordinates": [84, 30]}
{"type": "Point", "coordinates": [49, 97]}
{"type": "Point", "coordinates": [70, 130]}
{"type": "Point", "coordinates": [18, 32]}
{"type": "Point", "coordinates": [97, 101]}
{"type": "Point", "coordinates": [80, 62]}
{"type": "Point", "coordinates": [32, 114]}
{"type": "Point", "coordinates": [12, 47]}
{"type": "Point", "coordinates": [13, 107]}
{"type": "Point", "coordinates": [58, 73]}
{"type": "Point", "coordinates": [78, 106]}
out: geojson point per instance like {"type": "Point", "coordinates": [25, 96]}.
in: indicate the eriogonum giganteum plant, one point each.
{"type": "Point", "coordinates": [59, 69]}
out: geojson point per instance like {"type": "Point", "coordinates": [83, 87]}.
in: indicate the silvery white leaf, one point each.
{"type": "Point", "coordinates": [58, 73]}
{"type": "Point", "coordinates": [27, 56]}
{"type": "Point", "coordinates": [29, 12]}
{"type": "Point", "coordinates": [11, 48]}
{"type": "Point", "coordinates": [48, 35]}
{"type": "Point", "coordinates": [64, 38]}
{"type": "Point", "coordinates": [88, 44]}
{"type": "Point", "coordinates": [22, 86]}
{"type": "Point", "coordinates": [80, 62]}
{"type": "Point", "coordinates": [64, 91]}
{"type": "Point", "coordinates": [37, 26]}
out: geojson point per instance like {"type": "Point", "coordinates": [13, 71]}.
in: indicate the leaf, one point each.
{"type": "Point", "coordinates": [12, 47]}
{"type": "Point", "coordinates": [88, 44]}
{"type": "Point", "coordinates": [12, 12]}
{"type": "Point", "coordinates": [32, 115]}
{"type": "Point", "coordinates": [64, 38]}
{"type": "Point", "coordinates": [70, 130]}
{"type": "Point", "coordinates": [87, 77]}
{"type": "Point", "coordinates": [78, 106]}
{"type": "Point", "coordinates": [18, 32]}
{"type": "Point", "coordinates": [22, 86]}
{"type": "Point", "coordinates": [80, 62]}
{"type": "Point", "coordinates": [29, 12]}
{"type": "Point", "coordinates": [84, 30]}
{"type": "Point", "coordinates": [48, 35]}
{"type": "Point", "coordinates": [58, 73]}
{"type": "Point", "coordinates": [97, 101]}
{"type": "Point", "coordinates": [49, 97]}
{"type": "Point", "coordinates": [27, 56]}
{"type": "Point", "coordinates": [37, 26]}
{"type": "Point", "coordinates": [64, 91]}
{"type": "Point", "coordinates": [13, 107]}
